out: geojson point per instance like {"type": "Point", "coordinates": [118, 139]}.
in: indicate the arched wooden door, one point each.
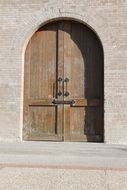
{"type": "Point", "coordinates": [63, 84]}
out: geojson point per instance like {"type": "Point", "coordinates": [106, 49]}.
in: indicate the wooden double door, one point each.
{"type": "Point", "coordinates": [63, 84]}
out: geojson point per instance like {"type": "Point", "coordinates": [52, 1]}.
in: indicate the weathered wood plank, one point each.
{"type": "Point", "coordinates": [67, 74]}
{"type": "Point", "coordinates": [42, 59]}
{"type": "Point", "coordinates": [86, 102]}
{"type": "Point", "coordinates": [83, 65]}
{"type": "Point", "coordinates": [42, 102]}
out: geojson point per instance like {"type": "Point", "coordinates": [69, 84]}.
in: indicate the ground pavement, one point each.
{"type": "Point", "coordinates": [62, 166]}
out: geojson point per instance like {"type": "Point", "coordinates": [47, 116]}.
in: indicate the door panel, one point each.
{"type": "Point", "coordinates": [43, 63]}
{"type": "Point", "coordinates": [83, 65]}
{"type": "Point", "coordinates": [42, 119]}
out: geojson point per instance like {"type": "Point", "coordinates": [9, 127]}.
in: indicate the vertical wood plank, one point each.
{"type": "Point", "coordinates": [67, 74]}
{"type": "Point", "coordinates": [83, 65]}
{"type": "Point", "coordinates": [60, 73]}
{"type": "Point", "coordinates": [77, 120]}
{"type": "Point", "coordinates": [44, 121]}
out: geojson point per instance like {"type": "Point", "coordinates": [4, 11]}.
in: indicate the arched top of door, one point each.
{"type": "Point", "coordinates": [91, 29]}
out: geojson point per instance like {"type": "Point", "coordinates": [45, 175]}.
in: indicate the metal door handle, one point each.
{"type": "Point", "coordinates": [71, 102]}
{"type": "Point", "coordinates": [59, 93]}
{"type": "Point", "coordinates": [60, 80]}
{"type": "Point", "coordinates": [66, 80]}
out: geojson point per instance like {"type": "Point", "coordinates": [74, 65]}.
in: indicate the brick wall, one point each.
{"type": "Point", "coordinates": [19, 19]}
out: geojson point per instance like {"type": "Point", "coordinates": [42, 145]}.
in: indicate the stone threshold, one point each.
{"type": "Point", "coordinates": [63, 155]}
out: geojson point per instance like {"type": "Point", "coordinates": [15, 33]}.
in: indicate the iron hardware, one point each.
{"type": "Point", "coordinates": [60, 80]}
{"type": "Point", "coordinates": [66, 80]}
{"type": "Point", "coordinates": [66, 93]}
{"type": "Point", "coordinates": [59, 93]}
{"type": "Point", "coordinates": [71, 102]}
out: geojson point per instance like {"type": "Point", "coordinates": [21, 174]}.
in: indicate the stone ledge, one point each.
{"type": "Point", "coordinates": [64, 155]}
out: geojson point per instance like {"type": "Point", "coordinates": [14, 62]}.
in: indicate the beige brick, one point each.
{"type": "Point", "coordinates": [19, 19]}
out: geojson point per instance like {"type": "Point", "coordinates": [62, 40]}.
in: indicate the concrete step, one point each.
{"type": "Point", "coordinates": [64, 155]}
